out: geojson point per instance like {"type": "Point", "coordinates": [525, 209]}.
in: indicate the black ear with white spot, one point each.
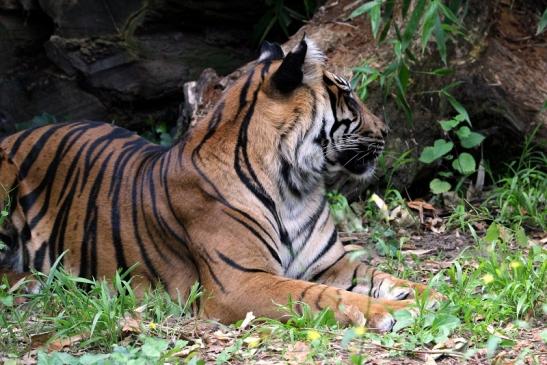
{"type": "Point", "coordinates": [303, 65]}
{"type": "Point", "coordinates": [290, 74]}
{"type": "Point", "coordinates": [270, 52]}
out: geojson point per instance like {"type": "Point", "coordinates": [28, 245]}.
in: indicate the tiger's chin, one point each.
{"type": "Point", "coordinates": [351, 182]}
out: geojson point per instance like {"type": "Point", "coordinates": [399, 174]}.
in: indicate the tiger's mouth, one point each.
{"type": "Point", "coordinates": [361, 161]}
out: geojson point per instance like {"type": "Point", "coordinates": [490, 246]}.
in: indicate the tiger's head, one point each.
{"type": "Point", "coordinates": [307, 116]}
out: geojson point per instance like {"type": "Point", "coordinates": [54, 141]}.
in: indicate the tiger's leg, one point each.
{"type": "Point", "coordinates": [261, 293]}
{"type": "Point", "coordinates": [358, 277]}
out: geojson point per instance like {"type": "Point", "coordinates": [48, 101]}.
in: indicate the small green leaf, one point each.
{"type": "Point", "coordinates": [448, 125]}
{"type": "Point", "coordinates": [438, 186]}
{"type": "Point", "coordinates": [349, 335]}
{"type": "Point", "coordinates": [153, 347]}
{"type": "Point", "coordinates": [440, 38]}
{"type": "Point", "coordinates": [463, 132]}
{"type": "Point", "coordinates": [520, 236]}
{"type": "Point", "coordinates": [465, 164]}
{"type": "Point", "coordinates": [472, 140]}
{"type": "Point", "coordinates": [6, 300]}
{"type": "Point", "coordinates": [456, 105]}
{"type": "Point", "coordinates": [542, 23]}
{"type": "Point", "coordinates": [440, 148]}
{"type": "Point", "coordinates": [365, 8]}
{"type": "Point", "coordinates": [429, 23]}
{"type": "Point", "coordinates": [445, 173]}
{"type": "Point", "coordinates": [375, 19]}
{"type": "Point", "coordinates": [413, 23]}
{"type": "Point", "coordinates": [444, 71]}
{"type": "Point", "coordinates": [492, 346]}
{"type": "Point", "coordinates": [492, 233]}
{"type": "Point", "coordinates": [403, 319]}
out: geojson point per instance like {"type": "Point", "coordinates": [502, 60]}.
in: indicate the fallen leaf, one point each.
{"type": "Point", "coordinates": [384, 210]}
{"type": "Point", "coordinates": [248, 318]}
{"type": "Point", "coordinates": [130, 324]}
{"type": "Point", "coordinates": [416, 252]}
{"type": "Point", "coordinates": [40, 339]}
{"type": "Point", "coordinates": [297, 353]}
{"type": "Point", "coordinates": [252, 341]}
{"type": "Point", "coordinates": [420, 206]}
{"type": "Point", "coordinates": [61, 343]}
{"type": "Point", "coordinates": [219, 335]}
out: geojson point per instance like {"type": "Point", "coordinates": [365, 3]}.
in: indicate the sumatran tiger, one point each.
{"type": "Point", "coordinates": [238, 204]}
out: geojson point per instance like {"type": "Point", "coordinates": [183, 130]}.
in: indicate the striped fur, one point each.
{"type": "Point", "coordinates": [238, 204]}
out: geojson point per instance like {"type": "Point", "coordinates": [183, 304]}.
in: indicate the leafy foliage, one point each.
{"type": "Point", "coordinates": [282, 15]}
{"type": "Point", "coordinates": [521, 195]}
{"type": "Point", "coordinates": [464, 163]}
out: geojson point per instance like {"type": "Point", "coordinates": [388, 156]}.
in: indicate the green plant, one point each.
{"type": "Point", "coordinates": [463, 164]}
{"type": "Point", "coordinates": [153, 351]}
{"type": "Point", "coordinates": [282, 15]}
{"type": "Point", "coordinates": [343, 213]}
{"type": "Point", "coordinates": [521, 196]}
{"type": "Point", "coordinates": [158, 132]}
{"type": "Point", "coordinates": [504, 281]}
{"type": "Point", "coordinates": [430, 20]}
{"type": "Point", "coordinates": [542, 23]}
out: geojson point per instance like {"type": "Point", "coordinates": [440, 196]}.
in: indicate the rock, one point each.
{"type": "Point", "coordinates": [85, 19]}
{"type": "Point", "coordinates": [9, 5]}
{"type": "Point", "coordinates": [86, 55]}
{"type": "Point", "coordinates": [22, 98]}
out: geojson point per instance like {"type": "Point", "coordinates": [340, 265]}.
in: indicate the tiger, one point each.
{"type": "Point", "coordinates": [238, 204]}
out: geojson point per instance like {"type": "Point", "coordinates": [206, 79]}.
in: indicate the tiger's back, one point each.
{"type": "Point", "coordinates": [86, 188]}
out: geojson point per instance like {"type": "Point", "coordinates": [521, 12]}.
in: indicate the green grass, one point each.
{"type": "Point", "coordinates": [520, 197]}
{"type": "Point", "coordinates": [94, 312]}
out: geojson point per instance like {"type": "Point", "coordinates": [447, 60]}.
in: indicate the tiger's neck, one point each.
{"type": "Point", "coordinates": [245, 176]}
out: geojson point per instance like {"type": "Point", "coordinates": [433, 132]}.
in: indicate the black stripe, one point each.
{"type": "Point", "coordinates": [39, 256]}
{"type": "Point", "coordinates": [88, 249]}
{"type": "Point", "coordinates": [34, 152]}
{"type": "Point", "coordinates": [272, 251]}
{"type": "Point", "coordinates": [332, 240]}
{"type": "Point", "coordinates": [320, 273]}
{"type": "Point", "coordinates": [371, 283]}
{"type": "Point", "coordinates": [235, 265]}
{"type": "Point", "coordinates": [57, 236]}
{"type": "Point", "coordinates": [353, 279]}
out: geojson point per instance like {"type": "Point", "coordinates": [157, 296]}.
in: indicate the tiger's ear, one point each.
{"type": "Point", "coordinates": [270, 52]}
{"type": "Point", "coordinates": [302, 65]}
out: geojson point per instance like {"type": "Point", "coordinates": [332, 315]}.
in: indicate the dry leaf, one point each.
{"type": "Point", "coordinates": [420, 206]}
{"type": "Point", "coordinates": [252, 341]}
{"type": "Point", "coordinates": [297, 353]}
{"type": "Point", "coordinates": [40, 339]}
{"type": "Point", "coordinates": [384, 210]}
{"type": "Point", "coordinates": [130, 324]}
{"type": "Point", "coordinates": [61, 343]}
{"type": "Point", "coordinates": [248, 318]}
{"type": "Point", "coordinates": [429, 360]}
{"type": "Point", "coordinates": [416, 252]}
{"type": "Point", "coordinates": [355, 316]}
{"type": "Point", "coordinates": [219, 335]}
